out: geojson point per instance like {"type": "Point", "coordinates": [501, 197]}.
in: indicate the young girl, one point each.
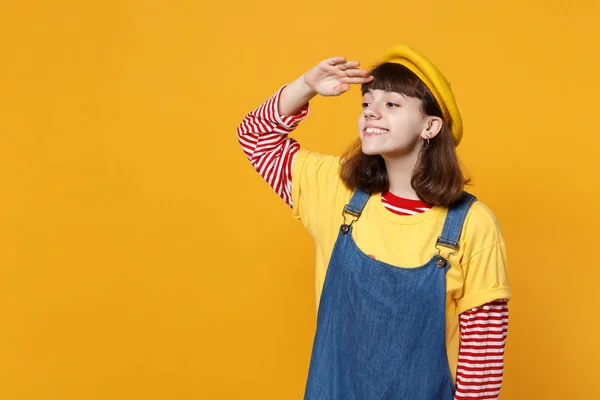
{"type": "Point", "coordinates": [411, 275]}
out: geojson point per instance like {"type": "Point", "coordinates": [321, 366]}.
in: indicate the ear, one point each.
{"type": "Point", "coordinates": [433, 126]}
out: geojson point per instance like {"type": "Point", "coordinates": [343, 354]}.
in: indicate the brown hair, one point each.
{"type": "Point", "coordinates": [437, 177]}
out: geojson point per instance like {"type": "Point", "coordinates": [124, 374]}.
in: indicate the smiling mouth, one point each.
{"type": "Point", "coordinates": [374, 131]}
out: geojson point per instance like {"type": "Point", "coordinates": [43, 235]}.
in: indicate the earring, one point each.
{"type": "Point", "coordinates": [426, 140]}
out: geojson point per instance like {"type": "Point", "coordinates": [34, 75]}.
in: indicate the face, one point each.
{"type": "Point", "coordinates": [390, 124]}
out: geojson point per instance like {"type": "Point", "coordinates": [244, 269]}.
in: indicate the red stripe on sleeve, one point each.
{"type": "Point", "coordinates": [263, 136]}
{"type": "Point", "coordinates": [483, 332]}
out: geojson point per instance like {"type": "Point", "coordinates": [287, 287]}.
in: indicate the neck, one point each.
{"type": "Point", "coordinates": [400, 171]}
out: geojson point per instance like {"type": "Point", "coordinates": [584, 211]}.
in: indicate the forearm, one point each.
{"type": "Point", "coordinates": [295, 96]}
{"type": "Point", "coordinates": [263, 135]}
{"type": "Point", "coordinates": [481, 356]}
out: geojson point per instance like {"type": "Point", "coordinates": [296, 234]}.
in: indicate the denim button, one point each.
{"type": "Point", "coordinates": [440, 262]}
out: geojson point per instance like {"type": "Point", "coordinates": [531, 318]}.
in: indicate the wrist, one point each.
{"type": "Point", "coordinates": [307, 89]}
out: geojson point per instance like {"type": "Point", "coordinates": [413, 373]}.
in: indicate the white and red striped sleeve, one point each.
{"type": "Point", "coordinates": [483, 333]}
{"type": "Point", "coordinates": [263, 135]}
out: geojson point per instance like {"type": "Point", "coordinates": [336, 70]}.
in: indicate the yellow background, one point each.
{"type": "Point", "coordinates": [141, 257]}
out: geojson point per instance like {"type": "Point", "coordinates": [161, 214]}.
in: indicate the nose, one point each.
{"type": "Point", "coordinates": [371, 112]}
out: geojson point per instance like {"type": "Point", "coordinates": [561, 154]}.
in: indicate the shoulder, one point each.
{"type": "Point", "coordinates": [481, 216]}
{"type": "Point", "coordinates": [307, 161]}
{"type": "Point", "coordinates": [482, 228]}
{"type": "Point", "coordinates": [483, 261]}
{"type": "Point", "coordinates": [315, 169]}
{"type": "Point", "coordinates": [316, 184]}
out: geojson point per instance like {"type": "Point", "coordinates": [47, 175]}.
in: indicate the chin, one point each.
{"type": "Point", "coordinates": [370, 152]}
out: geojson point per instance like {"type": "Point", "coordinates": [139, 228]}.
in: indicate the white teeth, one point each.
{"type": "Point", "coordinates": [375, 130]}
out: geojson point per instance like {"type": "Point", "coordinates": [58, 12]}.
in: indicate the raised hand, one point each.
{"type": "Point", "coordinates": [333, 76]}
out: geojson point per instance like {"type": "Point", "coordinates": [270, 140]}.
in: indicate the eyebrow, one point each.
{"type": "Point", "coordinates": [369, 91]}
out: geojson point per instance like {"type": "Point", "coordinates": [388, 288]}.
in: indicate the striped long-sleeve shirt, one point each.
{"type": "Point", "coordinates": [263, 135]}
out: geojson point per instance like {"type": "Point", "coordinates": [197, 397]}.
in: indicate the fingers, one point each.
{"type": "Point", "coordinates": [335, 60]}
{"type": "Point", "coordinates": [348, 65]}
{"type": "Point", "coordinates": [341, 63]}
{"type": "Point", "coordinates": [345, 72]}
{"type": "Point", "coordinates": [357, 80]}
{"type": "Point", "coordinates": [356, 72]}
{"type": "Point", "coordinates": [355, 75]}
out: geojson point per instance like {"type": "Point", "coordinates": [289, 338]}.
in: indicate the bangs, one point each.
{"type": "Point", "coordinates": [397, 78]}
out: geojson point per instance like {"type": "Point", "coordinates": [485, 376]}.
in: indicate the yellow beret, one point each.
{"type": "Point", "coordinates": [434, 80]}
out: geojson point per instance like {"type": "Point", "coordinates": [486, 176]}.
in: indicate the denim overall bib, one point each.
{"type": "Point", "coordinates": [381, 329]}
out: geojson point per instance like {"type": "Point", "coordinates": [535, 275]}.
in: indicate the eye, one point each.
{"type": "Point", "coordinates": [365, 105]}
{"type": "Point", "coordinates": [390, 104]}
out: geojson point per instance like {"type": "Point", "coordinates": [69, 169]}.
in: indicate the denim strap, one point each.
{"type": "Point", "coordinates": [357, 203]}
{"type": "Point", "coordinates": [455, 221]}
